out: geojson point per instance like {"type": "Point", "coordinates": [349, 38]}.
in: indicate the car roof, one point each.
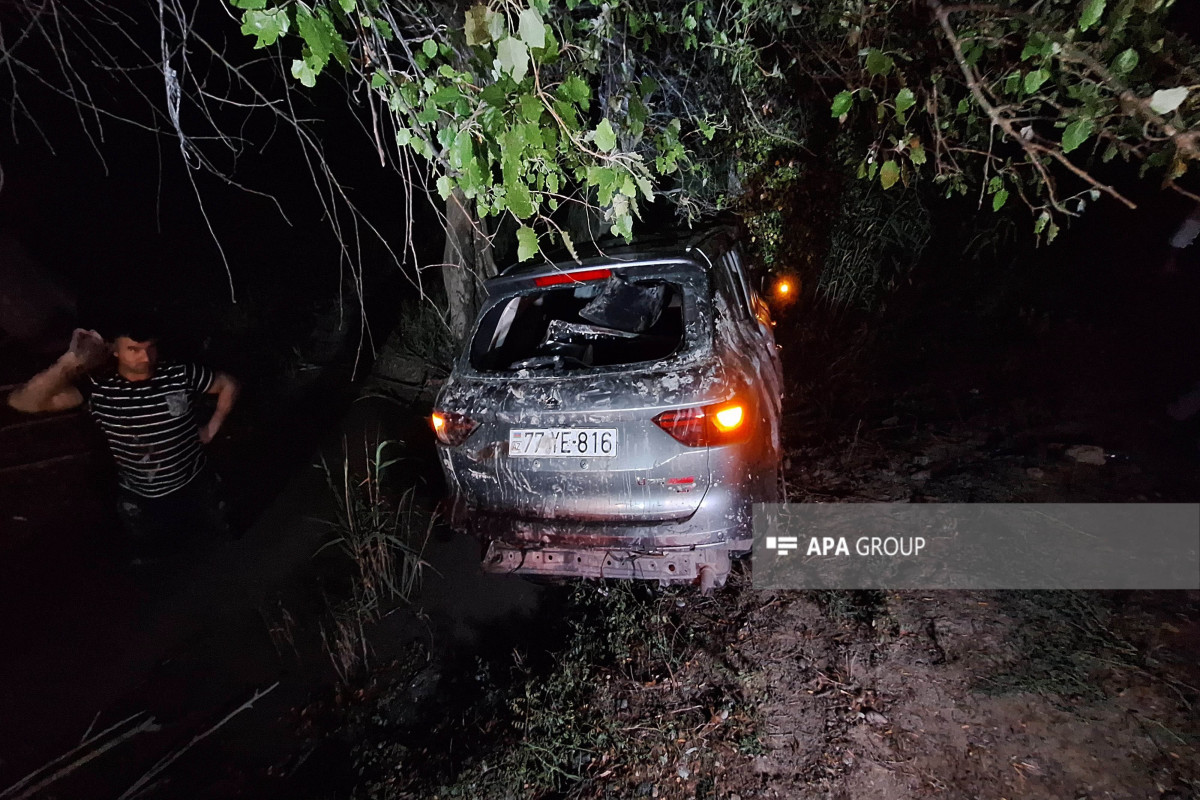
{"type": "Point", "coordinates": [666, 247]}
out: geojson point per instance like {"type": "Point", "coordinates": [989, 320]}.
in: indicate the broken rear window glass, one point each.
{"type": "Point", "coordinates": [599, 324]}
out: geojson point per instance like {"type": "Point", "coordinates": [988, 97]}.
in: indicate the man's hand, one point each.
{"type": "Point", "coordinates": [88, 350]}
{"type": "Point", "coordinates": [52, 389]}
{"type": "Point", "coordinates": [208, 433]}
{"type": "Point", "coordinates": [226, 388]}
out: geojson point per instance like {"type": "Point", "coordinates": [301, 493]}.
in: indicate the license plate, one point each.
{"type": "Point", "coordinates": [563, 442]}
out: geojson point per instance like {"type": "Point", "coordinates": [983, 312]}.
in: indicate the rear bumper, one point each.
{"type": "Point", "coordinates": [708, 566]}
{"type": "Point", "coordinates": [721, 521]}
{"type": "Point", "coordinates": [696, 549]}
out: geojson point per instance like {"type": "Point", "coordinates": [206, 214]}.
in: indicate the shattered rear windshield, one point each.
{"type": "Point", "coordinates": [579, 326]}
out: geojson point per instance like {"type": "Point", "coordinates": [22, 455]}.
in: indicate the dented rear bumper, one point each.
{"type": "Point", "coordinates": [708, 566]}
{"type": "Point", "coordinates": [685, 550]}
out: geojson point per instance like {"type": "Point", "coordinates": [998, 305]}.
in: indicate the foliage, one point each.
{"type": "Point", "coordinates": [1012, 101]}
{"type": "Point", "coordinates": [525, 107]}
{"type": "Point", "coordinates": [877, 237]}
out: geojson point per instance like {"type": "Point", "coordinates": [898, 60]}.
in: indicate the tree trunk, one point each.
{"type": "Point", "coordinates": [468, 261]}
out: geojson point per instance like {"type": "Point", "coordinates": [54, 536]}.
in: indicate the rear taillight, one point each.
{"type": "Point", "coordinates": [721, 423]}
{"type": "Point", "coordinates": [578, 276]}
{"type": "Point", "coordinates": [452, 429]}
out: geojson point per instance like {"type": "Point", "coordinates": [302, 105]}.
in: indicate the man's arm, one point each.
{"type": "Point", "coordinates": [226, 388]}
{"type": "Point", "coordinates": [53, 389]}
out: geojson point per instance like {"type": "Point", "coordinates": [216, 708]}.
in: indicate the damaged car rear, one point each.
{"type": "Point", "coordinates": [615, 418]}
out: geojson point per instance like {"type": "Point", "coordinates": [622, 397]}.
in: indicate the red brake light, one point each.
{"type": "Point", "coordinates": [452, 429]}
{"type": "Point", "coordinates": [721, 423]}
{"type": "Point", "coordinates": [578, 276]}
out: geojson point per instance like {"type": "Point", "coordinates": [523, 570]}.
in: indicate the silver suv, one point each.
{"type": "Point", "coordinates": [616, 417]}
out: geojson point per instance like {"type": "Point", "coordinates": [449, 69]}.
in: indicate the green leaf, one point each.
{"type": "Point", "coordinates": [1092, 11]}
{"type": "Point", "coordinates": [1076, 134]}
{"type": "Point", "coordinates": [707, 130]}
{"type": "Point", "coordinates": [1035, 79]}
{"type": "Point", "coordinates": [249, 3]}
{"type": "Point", "coordinates": [623, 226]}
{"type": "Point", "coordinates": [403, 136]}
{"type": "Point", "coordinates": [998, 199]}
{"type": "Point", "coordinates": [606, 137]}
{"type": "Point", "coordinates": [917, 154]}
{"type": "Point", "coordinates": [497, 25]}
{"type": "Point", "coordinates": [518, 199]}
{"type": "Point", "coordinates": [1038, 45]}
{"type": "Point", "coordinates": [462, 151]}
{"type": "Point", "coordinates": [428, 114]}
{"type": "Point", "coordinates": [842, 103]}
{"type": "Point", "coordinates": [1052, 233]}
{"type": "Point", "coordinates": [531, 29]}
{"type": "Point", "coordinates": [905, 100]}
{"type": "Point", "coordinates": [429, 48]}
{"type": "Point", "coordinates": [576, 90]}
{"type": "Point", "coordinates": [1126, 62]}
{"type": "Point", "coordinates": [318, 33]}
{"type": "Point", "coordinates": [303, 72]}
{"type": "Point", "coordinates": [446, 95]}
{"type": "Point", "coordinates": [889, 173]}
{"type": "Point", "coordinates": [645, 186]}
{"type": "Point", "coordinates": [531, 107]}
{"type": "Point", "coordinates": [493, 95]}
{"type": "Point", "coordinates": [1039, 225]}
{"type": "Point", "coordinates": [513, 56]}
{"type": "Point", "coordinates": [604, 179]}
{"type": "Point", "coordinates": [878, 62]}
{"type": "Point", "coordinates": [527, 243]}
{"type": "Point", "coordinates": [476, 27]}
{"type": "Point", "coordinates": [381, 27]}
{"type": "Point", "coordinates": [347, 5]}
{"type": "Point", "coordinates": [1164, 101]}
{"type": "Point", "coordinates": [569, 244]}
{"type": "Point", "coordinates": [268, 26]}
{"type": "Point", "coordinates": [445, 186]}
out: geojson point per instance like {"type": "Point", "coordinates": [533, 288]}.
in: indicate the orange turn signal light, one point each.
{"type": "Point", "coordinates": [450, 428]}
{"type": "Point", "coordinates": [729, 418]}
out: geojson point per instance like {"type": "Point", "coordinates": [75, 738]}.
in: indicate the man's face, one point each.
{"type": "Point", "coordinates": [135, 359]}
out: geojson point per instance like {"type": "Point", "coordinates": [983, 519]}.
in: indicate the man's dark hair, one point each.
{"type": "Point", "coordinates": [139, 327]}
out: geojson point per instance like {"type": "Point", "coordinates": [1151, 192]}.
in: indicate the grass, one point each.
{"type": "Point", "coordinates": [383, 535]}
{"type": "Point", "coordinates": [622, 694]}
{"type": "Point", "coordinates": [1062, 640]}
{"type": "Point", "coordinates": [859, 607]}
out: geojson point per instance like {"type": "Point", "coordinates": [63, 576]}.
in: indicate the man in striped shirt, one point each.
{"type": "Point", "coordinates": [145, 410]}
